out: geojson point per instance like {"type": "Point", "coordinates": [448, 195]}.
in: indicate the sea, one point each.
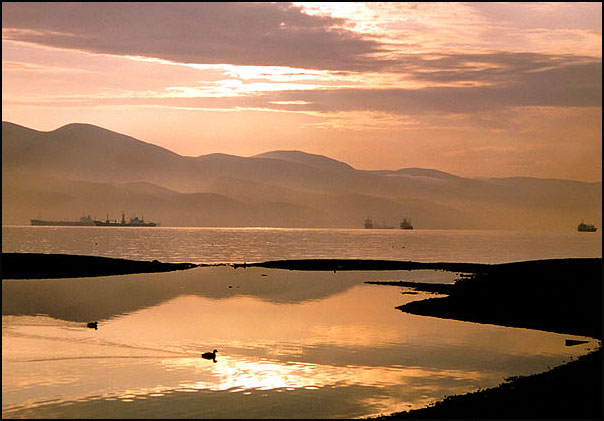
{"type": "Point", "coordinates": [290, 344]}
{"type": "Point", "coordinates": [237, 245]}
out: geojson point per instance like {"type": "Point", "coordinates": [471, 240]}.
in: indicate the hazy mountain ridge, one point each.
{"type": "Point", "coordinates": [83, 169]}
{"type": "Point", "coordinates": [312, 160]}
{"type": "Point", "coordinates": [424, 172]}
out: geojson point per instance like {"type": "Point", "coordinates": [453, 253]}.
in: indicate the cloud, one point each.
{"type": "Point", "coordinates": [259, 35]}
{"type": "Point", "coordinates": [199, 32]}
{"type": "Point", "coordinates": [556, 15]}
{"type": "Point", "coordinates": [510, 80]}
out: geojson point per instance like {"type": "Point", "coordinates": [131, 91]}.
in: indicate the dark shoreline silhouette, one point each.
{"type": "Point", "coordinates": [39, 265]}
{"type": "Point", "coordinates": [362, 264]}
{"type": "Point", "coordinates": [558, 295]}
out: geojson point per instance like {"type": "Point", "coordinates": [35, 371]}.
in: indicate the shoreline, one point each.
{"type": "Point", "coordinates": [560, 295]}
{"type": "Point", "coordinates": [49, 266]}
{"type": "Point", "coordinates": [557, 295]}
{"type": "Point", "coordinates": [365, 264]}
{"type": "Point", "coordinates": [568, 391]}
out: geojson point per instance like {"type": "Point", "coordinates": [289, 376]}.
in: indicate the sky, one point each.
{"type": "Point", "coordinates": [473, 89]}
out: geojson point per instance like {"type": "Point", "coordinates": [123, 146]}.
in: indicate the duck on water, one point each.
{"type": "Point", "coordinates": [210, 355]}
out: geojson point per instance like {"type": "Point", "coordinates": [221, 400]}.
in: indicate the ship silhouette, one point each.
{"type": "Point", "coordinates": [583, 227]}
{"type": "Point", "coordinates": [87, 221]}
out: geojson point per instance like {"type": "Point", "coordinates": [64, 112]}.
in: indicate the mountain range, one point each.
{"type": "Point", "coordinates": [81, 169]}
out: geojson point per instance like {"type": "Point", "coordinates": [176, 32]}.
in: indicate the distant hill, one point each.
{"type": "Point", "coordinates": [83, 169]}
{"type": "Point", "coordinates": [423, 172]}
{"type": "Point", "coordinates": [87, 152]}
{"type": "Point", "coordinates": [312, 160]}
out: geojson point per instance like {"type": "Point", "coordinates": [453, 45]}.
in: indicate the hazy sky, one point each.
{"type": "Point", "coordinates": [475, 89]}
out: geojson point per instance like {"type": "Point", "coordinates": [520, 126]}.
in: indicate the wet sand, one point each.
{"type": "Point", "coordinates": [562, 295]}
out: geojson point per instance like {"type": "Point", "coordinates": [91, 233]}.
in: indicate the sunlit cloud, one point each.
{"type": "Point", "coordinates": [386, 68]}
{"type": "Point", "coordinates": [547, 28]}
{"type": "Point", "coordinates": [234, 87]}
{"type": "Point", "coordinates": [361, 121]}
{"type": "Point", "coordinates": [273, 34]}
{"type": "Point", "coordinates": [274, 73]}
{"type": "Point", "coordinates": [14, 66]}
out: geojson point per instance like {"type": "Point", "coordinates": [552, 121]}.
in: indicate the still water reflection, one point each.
{"type": "Point", "coordinates": [231, 245]}
{"type": "Point", "coordinates": [290, 345]}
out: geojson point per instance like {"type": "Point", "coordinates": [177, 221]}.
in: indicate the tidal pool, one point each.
{"type": "Point", "coordinates": [290, 344]}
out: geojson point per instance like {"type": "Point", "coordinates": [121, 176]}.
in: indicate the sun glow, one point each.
{"type": "Point", "coordinates": [240, 374]}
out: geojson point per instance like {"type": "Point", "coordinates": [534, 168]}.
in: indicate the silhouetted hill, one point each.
{"type": "Point", "coordinates": [312, 160]}
{"type": "Point", "coordinates": [83, 169]}
{"type": "Point", "coordinates": [268, 170]}
{"type": "Point", "coordinates": [424, 172]}
{"type": "Point", "coordinates": [87, 152]}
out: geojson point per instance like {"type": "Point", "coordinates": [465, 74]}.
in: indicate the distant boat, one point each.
{"type": "Point", "coordinates": [369, 225]}
{"type": "Point", "coordinates": [134, 222]}
{"type": "Point", "coordinates": [582, 227]}
{"type": "Point", "coordinates": [85, 221]}
{"type": "Point", "coordinates": [406, 224]}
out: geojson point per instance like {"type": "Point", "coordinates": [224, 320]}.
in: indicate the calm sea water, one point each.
{"type": "Point", "coordinates": [291, 344]}
{"type": "Point", "coordinates": [235, 245]}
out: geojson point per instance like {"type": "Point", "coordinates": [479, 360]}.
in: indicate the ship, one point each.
{"type": "Point", "coordinates": [85, 221]}
{"type": "Point", "coordinates": [582, 227]}
{"type": "Point", "coordinates": [406, 224]}
{"type": "Point", "coordinates": [134, 222]}
{"type": "Point", "coordinates": [369, 225]}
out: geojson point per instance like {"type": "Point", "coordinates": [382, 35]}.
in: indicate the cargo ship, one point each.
{"type": "Point", "coordinates": [406, 224]}
{"type": "Point", "coordinates": [370, 225]}
{"type": "Point", "coordinates": [85, 221]}
{"type": "Point", "coordinates": [134, 222]}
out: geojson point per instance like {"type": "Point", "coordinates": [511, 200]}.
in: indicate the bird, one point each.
{"type": "Point", "coordinates": [210, 355]}
{"type": "Point", "coordinates": [93, 325]}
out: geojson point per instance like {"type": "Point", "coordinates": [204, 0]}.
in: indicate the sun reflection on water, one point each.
{"type": "Point", "coordinates": [351, 350]}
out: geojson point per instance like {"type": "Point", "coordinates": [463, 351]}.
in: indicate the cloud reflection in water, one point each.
{"type": "Point", "coordinates": [347, 354]}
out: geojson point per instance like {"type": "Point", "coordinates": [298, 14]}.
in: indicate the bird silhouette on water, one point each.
{"type": "Point", "coordinates": [93, 325]}
{"type": "Point", "coordinates": [210, 355]}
